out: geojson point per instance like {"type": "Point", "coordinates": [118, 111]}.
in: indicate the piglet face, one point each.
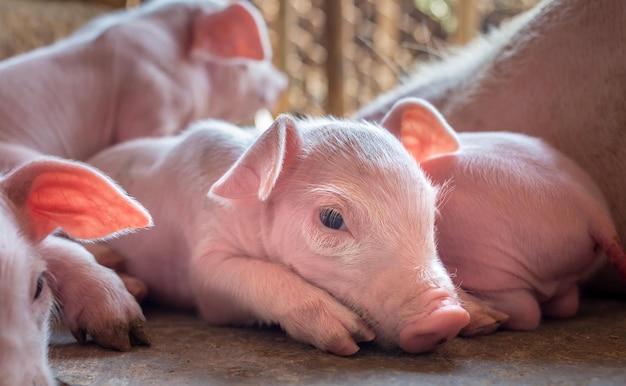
{"type": "Point", "coordinates": [233, 48]}
{"type": "Point", "coordinates": [241, 89]}
{"type": "Point", "coordinates": [367, 233]}
{"type": "Point", "coordinates": [347, 208]}
{"type": "Point", "coordinates": [25, 301]}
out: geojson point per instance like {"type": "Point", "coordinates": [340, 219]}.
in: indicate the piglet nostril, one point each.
{"type": "Point", "coordinates": [434, 330]}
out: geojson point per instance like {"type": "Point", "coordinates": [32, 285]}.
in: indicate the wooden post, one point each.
{"type": "Point", "coordinates": [281, 49]}
{"type": "Point", "coordinates": [334, 57]}
{"type": "Point", "coordinates": [386, 41]}
{"type": "Point", "coordinates": [468, 18]}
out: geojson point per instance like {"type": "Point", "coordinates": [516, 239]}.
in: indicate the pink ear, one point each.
{"type": "Point", "coordinates": [421, 128]}
{"type": "Point", "coordinates": [234, 32]}
{"type": "Point", "coordinates": [257, 170]}
{"type": "Point", "coordinates": [50, 193]}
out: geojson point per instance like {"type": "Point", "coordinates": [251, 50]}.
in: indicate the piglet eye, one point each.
{"type": "Point", "coordinates": [332, 219]}
{"type": "Point", "coordinates": [40, 283]}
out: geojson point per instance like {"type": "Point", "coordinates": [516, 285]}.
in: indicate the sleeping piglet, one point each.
{"type": "Point", "coordinates": [520, 224]}
{"type": "Point", "coordinates": [36, 199]}
{"type": "Point", "coordinates": [323, 226]}
{"type": "Point", "coordinates": [144, 72]}
{"type": "Point", "coordinates": [555, 72]}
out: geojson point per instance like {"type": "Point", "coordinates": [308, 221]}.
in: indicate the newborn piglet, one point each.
{"type": "Point", "coordinates": [520, 225]}
{"type": "Point", "coordinates": [38, 269]}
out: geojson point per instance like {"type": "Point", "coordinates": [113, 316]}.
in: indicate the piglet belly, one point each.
{"type": "Point", "coordinates": [156, 260]}
{"type": "Point", "coordinates": [168, 285]}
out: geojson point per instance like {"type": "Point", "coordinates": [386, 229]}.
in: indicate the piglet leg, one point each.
{"type": "Point", "coordinates": [109, 258]}
{"type": "Point", "coordinates": [484, 319]}
{"type": "Point", "coordinates": [616, 255]}
{"type": "Point", "coordinates": [243, 291]}
{"type": "Point", "coordinates": [92, 299]}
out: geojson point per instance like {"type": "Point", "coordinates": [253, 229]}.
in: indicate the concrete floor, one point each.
{"type": "Point", "coordinates": [587, 350]}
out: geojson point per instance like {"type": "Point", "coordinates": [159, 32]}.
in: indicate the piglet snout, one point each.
{"type": "Point", "coordinates": [441, 325]}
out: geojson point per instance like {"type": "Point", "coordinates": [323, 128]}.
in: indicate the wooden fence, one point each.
{"type": "Point", "coordinates": [340, 54]}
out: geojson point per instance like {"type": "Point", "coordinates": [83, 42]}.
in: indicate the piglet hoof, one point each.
{"type": "Point", "coordinates": [111, 259]}
{"type": "Point", "coordinates": [102, 308]}
{"type": "Point", "coordinates": [121, 337]}
{"type": "Point", "coordinates": [484, 319]}
{"type": "Point", "coordinates": [136, 287]}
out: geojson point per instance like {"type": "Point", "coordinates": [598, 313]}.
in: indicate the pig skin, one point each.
{"type": "Point", "coordinates": [521, 224]}
{"type": "Point", "coordinates": [36, 199]}
{"type": "Point", "coordinates": [255, 250]}
{"type": "Point", "coordinates": [145, 72]}
{"type": "Point", "coordinates": [555, 72]}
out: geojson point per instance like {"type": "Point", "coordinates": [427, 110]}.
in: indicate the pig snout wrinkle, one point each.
{"type": "Point", "coordinates": [432, 331]}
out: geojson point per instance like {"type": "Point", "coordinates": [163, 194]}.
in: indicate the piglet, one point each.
{"type": "Point", "coordinates": [144, 72]}
{"type": "Point", "coordinates": [555, 72]}
{"type": "Point", "coordinates": [323, 226]}
{"type": "Point", "coordinates": [38, 198]}
{"type": "Point", "coordinates": [520, 224]}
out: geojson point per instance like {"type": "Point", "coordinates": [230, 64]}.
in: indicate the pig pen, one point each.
{"type": "Point", "coordinates": [587, 349]}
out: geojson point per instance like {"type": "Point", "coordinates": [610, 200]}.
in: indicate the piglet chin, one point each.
{"type": "Point", "coordinates": [432, 331]}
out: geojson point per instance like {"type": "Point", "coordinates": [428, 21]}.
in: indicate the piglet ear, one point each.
{"type": "Point", "coordinates": [50, 193]}
{"type": "Point", "coordinates": [235, 32]}
{"type": "Point", "coordinates": [421, 128]}
{"type": "Point", "coordinates": [257, 170]}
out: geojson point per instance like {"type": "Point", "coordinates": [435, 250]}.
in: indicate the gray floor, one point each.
{"type": "Point", "coordinates": [587, 350]}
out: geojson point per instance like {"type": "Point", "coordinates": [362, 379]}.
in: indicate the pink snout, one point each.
{"type": "Point", "coordinates": [432, 331]}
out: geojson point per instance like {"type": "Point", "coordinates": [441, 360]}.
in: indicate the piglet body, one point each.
{"type": "Point", "coordinates": [520, 225]}
{"type": "Point", "coordinates": [323, 226]}
{"type": "Point", "coordinates": [555, 72]}
{"type": "Point", "coordinates": [140, 73]}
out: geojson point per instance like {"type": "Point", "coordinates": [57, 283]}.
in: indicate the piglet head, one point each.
{"type": "Point", "coordinates": [36, 199]}
{"type": "Point", "coordinates": [233, 45]}
{"type": "Point", "coordinates": [348, 209]}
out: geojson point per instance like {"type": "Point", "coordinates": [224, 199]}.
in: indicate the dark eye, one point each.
{"type": "Point", "coordinates": [40, 283]}
{"type": "Point", "coordinates": [332, 219]}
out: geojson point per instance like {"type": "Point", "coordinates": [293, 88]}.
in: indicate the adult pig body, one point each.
{"type": "Point", "coordinates": [556, 72]}
{"type": "Point", "coordinates": [303, 226]}
{"type": "Point", "coordinates": [139, 73]}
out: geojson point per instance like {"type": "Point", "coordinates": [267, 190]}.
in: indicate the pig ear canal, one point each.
{"type": "Point", "coordinates": [231, 33]}
{"type": "Point", "coordinates": [51, 194]}
{"type": "Point", "coordinates": [421, 128]}
{"type": "Point", "coordinates": [255, 173]}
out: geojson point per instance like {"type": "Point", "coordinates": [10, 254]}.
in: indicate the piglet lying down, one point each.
{"type": "Point", "coordinates": [36, 199]}
{"type": "Point", "coordinates": [520, 226]}
{"type": "Point", "coordinates": [133, 74]}
{"type": "Point", "coordinates": [323, 226]}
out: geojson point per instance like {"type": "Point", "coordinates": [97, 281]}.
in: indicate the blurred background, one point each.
{"type": "Point", "coordinates": [341, 54]}
{"type": "Point", "coordinates": [338, 54]}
